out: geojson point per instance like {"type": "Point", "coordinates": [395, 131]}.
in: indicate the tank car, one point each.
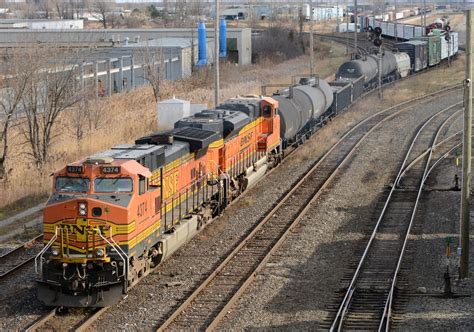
{"type": "Point", "coordinates": [301, 108]}
{"type": "Point", "coordinates": [367, 67]}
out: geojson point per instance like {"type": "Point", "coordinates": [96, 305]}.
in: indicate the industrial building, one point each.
{"type": "Point", "coordinates": [239, 42]}
{"type": "Point", "coordinates": [119, 69]}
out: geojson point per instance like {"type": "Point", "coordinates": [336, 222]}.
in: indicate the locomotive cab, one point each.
{"type": "Point", "coordinates": [89, 224]}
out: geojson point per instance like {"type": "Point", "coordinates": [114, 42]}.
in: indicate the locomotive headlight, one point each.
{"type": "Point", "coordinates": [55, 252]}
{"type": "Point", "coordinates": [99, 252]}
{"type": "Point", "coordinates": [82, 209]}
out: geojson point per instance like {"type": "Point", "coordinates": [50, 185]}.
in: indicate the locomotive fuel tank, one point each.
{"type": "Point", "coordinates": [302, 103]}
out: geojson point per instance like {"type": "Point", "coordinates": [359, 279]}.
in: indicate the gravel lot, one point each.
{"type": "Point", "coordinates": [308, 266]}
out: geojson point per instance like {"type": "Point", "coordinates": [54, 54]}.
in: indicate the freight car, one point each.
{"type": "Point", "coordinates": [302, 107]}
{"type": "Point", "coordinates": [367, 67]}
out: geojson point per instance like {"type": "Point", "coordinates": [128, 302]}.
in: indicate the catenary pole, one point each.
{"type": "Point", "coordinates": [466, 160]}
{"type": "Point", "coordinates": [216, 55]}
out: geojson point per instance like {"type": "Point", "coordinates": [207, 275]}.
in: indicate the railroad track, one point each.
{"type": "Point", "coordinates": [76, 319]}
{"type": "Point", "coordinates": [368, 294]}
{"type": "Point", "coordinates": [208, 304]}
{"type": "Point", "coordinates": [20, 256]}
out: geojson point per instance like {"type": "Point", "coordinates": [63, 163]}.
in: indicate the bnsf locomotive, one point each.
{"type": "Point", "coordinates": [113, 216]}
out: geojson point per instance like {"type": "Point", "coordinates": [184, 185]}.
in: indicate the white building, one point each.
{"type": "Point", "coordinates": [41, 24]}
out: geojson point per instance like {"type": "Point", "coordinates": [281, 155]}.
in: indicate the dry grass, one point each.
{"type": "Point", "coordinates": [131, 115]}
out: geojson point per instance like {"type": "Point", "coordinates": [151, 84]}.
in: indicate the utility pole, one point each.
{"type": "Point", "coordinates": [216, 55]}
{"type": "Point", "coordinates": [311, 39]}
{"type": "Point", "coordinates": [396, 32]}
{"type": "Point", "coordinates": [424, 16]}
{"type": "Point", "coordinates": [379, 58]}
{"type": "Point", "coordinates": [355, 26]}
{"type": "Point", "coordinates": [347, 29]}
{"type": "Point", "coordinates": [337, 15]}
{"type": "Point", "coordinates": [466, 158]}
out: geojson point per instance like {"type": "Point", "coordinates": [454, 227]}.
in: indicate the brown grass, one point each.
{"type": "Point", "coordinates": [133, 114]}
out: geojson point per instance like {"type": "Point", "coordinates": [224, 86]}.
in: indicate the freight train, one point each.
{"type": "Point", "coordinates": [115, 215]}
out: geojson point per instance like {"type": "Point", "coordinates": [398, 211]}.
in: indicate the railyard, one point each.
{"type": "Point", "coordinates": [319, 242]}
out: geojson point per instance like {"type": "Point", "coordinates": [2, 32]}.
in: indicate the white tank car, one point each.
{"type": "Point", "coordinates": [403, 64]}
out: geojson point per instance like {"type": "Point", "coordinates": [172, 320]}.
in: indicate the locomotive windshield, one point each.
{"type": "Point", "coordinates": [72, 184]}
{"type": "Point", "coordinates": [113, 185]}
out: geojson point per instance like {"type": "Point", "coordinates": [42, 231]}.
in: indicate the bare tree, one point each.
{"type": "Point", "coordinates": [45, 6]}
{"type": "Point", "coordinates": [12, 88]}
{"type": "Point", "coordinates": [101, 10]}
{"type": "Point", "coordinates": [50, 91]}
{"type": "Point", "coordinates": [61, 8]}
{"type": "Point", "coordinates": [153, 63]}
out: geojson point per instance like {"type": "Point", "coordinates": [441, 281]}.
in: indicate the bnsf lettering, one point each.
{"type": "Point", "coordinates": [142, 208]}
{"type": "Point", "coordinates": [245, 140]}
{"type": "Point", "coordinates": [81, 230]}
{"type": "Point", "coordinates": [170, 185]}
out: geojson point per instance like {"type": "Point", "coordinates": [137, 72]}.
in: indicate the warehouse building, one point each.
{"type": "Point", "coordinates": [239, 42]}
{"type": "Point", "coordinates": [119, 69]}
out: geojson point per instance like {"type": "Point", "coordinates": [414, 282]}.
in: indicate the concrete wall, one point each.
{"type": "Point", "coordinates": [10, 37]}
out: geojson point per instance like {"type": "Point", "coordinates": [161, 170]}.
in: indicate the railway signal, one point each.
{"type": "Point", "coordinates": [377, 39]}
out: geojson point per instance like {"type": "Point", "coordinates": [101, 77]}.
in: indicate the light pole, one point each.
{"type": "Point", "coordinates": [466, 158]}
{"type": "Point", "coordinates": [216, 55]}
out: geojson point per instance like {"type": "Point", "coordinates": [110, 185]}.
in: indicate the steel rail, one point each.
{"type": "Point", "coordinates": [81, 326]}
{"type": "Point", "coordinates": [19, 250]}
{"type": "Point", "coordinates": [415, 160]}
{"type": "Point", "coordinates": [443, 157]}
{"type": "Point", "coordinates": [41, 321]}
{"type": "Point", "coordinates": [406, 105]}
{"type": "Point", "coordinates": [385, 321]}
{"type": "Point", "coordinates": [340, 315]}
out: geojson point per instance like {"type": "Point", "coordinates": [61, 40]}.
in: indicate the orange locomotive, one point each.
{"type": "Point", "coordinates": [115, 215]}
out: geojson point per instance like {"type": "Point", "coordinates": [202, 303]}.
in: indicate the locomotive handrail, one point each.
{"type": "Point", "coordinates": [119, 251]}
{"type": "Point", "coordinates": [39, 271]}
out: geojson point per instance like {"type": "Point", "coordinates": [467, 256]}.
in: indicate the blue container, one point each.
{"type": "Point", "coordinates": [202, 54]}
{"type": "Point", "coordinates": [222, 38]}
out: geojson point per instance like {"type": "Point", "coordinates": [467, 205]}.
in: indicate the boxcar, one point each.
{"type": "Point", "coordinates": [408, 31]}
{"type": "Point", "coordinates": [434, 49]}
{"type": "Point", "coordinates": [417, 51]}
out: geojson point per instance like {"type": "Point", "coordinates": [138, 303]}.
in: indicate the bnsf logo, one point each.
{"type": "Point", "coordinates": [246, 139]}
{"type": "Point", "coordinates": [81, 229]}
